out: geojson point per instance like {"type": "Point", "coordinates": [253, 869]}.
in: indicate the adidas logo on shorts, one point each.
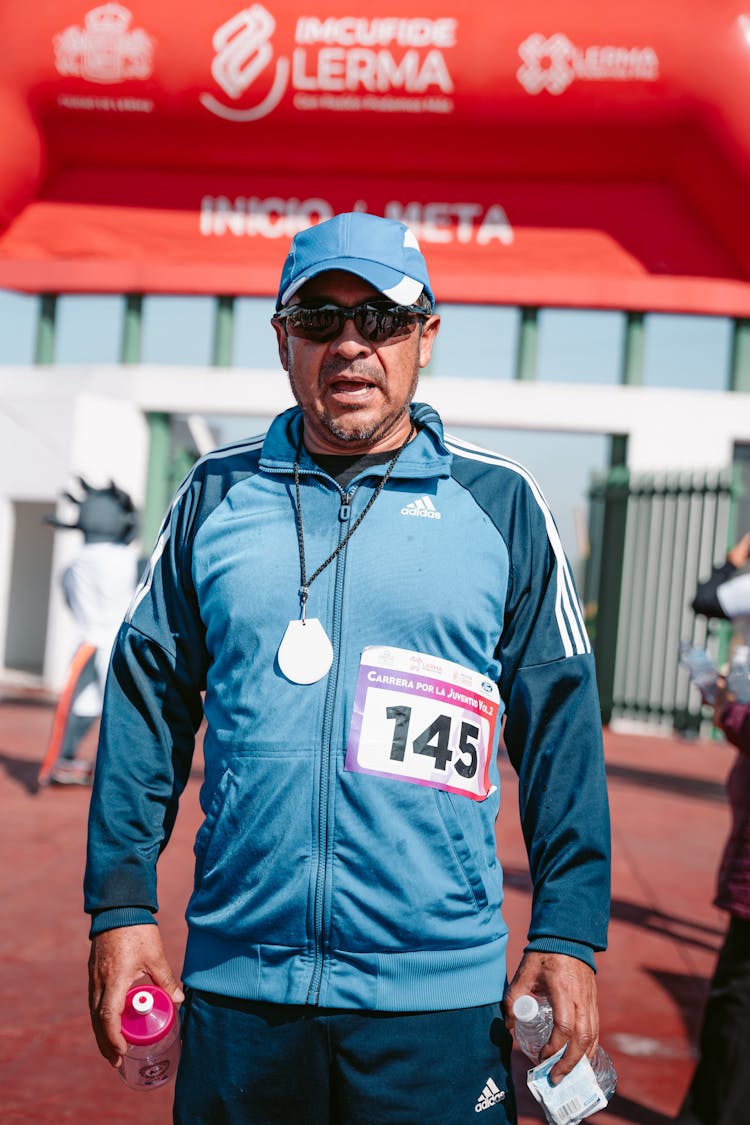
{"type": "Point", "coordinates": [423, 507]}
{"type": "Point", "coordinates": [489, 1096]}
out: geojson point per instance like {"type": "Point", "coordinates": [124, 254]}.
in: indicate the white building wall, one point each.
{"type": "Point", "coordinates": [59, 422]}
{"type": "Point", "coordinates": [667, 429]}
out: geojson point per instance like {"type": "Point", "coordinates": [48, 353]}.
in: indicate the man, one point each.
{"type": "Point", "coordinates": [350, 591]}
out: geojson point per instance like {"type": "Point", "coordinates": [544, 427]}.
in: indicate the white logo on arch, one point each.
{"type": "Point", "coordinates": [547, 63]}
{"type": "Point", "coordinates": [243, 51]}
{"type": "Point", "coordinates": [553, 62]}
{"type": "Point", "coordinates": [104, 50]}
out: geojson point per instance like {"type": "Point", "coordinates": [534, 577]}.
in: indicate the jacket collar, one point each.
{"type": "Point", "coordinates": [425, 456]}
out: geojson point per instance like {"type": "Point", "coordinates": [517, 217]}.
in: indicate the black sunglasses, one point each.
{"type": "Point", "coordinates": [375, 322]}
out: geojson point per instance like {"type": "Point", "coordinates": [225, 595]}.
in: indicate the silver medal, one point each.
{"type": "Point", "coordinates": [305, 653]}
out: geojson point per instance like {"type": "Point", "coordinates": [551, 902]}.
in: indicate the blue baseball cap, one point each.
{"type": "Point", "coordinates": [383, 252]}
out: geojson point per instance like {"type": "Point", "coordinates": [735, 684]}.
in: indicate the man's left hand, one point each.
{"type": "Point", "coordinates": [570, 987]}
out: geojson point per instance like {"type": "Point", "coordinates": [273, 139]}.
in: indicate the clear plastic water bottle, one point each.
{"type": "Point", "coordinates": [702, 668]}
{"type": "Point", "coordinates": [534, 1022]}
{"type": "Point", "coordinates": [152, 1031]}
{"type": "Point", "coordinates": [738, 680]}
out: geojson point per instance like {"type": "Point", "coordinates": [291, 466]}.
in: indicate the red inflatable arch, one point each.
{"type": "Point", "coordinates": [545, 153]}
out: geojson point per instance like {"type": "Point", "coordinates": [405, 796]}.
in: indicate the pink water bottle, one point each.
{"type": "Point", "coordinates": [152, 1030]}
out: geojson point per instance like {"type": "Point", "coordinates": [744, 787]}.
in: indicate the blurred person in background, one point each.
{"type": "Point", "coordinates": [719, 1093]}
{"type": "Point", "coordinates": [726, 592]}
{"type": "Point", "coordinates": [97, 586]}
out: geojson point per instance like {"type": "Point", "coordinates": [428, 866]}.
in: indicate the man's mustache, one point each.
{"type": "Point", "coordinates": [358, 369]}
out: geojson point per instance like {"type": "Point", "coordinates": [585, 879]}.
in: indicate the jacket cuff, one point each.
{"type": "Point", "coordinates": [119, 916]}
{"type": "Point", "coordinates": [576, 949]}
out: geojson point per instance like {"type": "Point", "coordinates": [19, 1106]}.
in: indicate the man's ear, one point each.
{"type": "Point", "coordinates": [283, 342]}
{"type": "Point", "coordinates": [427, 339]}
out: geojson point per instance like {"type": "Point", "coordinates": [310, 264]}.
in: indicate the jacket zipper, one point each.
{"type": "Point", "coordinates": [321, 883]}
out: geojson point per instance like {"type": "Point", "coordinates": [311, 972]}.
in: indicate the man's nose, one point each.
{"type": "Point", "coordinates": [350, 342]}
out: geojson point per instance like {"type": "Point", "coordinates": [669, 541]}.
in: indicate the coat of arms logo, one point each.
{"type": "Point", "coordinates": [105, 49]}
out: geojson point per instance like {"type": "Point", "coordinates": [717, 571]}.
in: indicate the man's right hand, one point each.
{"type": "Point", "coordinates": [118, 959]}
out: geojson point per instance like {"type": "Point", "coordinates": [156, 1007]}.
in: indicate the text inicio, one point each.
{"type": "Point", "coordinates": [276, 217]}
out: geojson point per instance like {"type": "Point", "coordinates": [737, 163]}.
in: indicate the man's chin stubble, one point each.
{"type": "Point", "coordinates": [360, 434]}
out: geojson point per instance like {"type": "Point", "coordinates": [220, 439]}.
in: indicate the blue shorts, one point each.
{"type": "Point", "coordinates": [249, 1063]}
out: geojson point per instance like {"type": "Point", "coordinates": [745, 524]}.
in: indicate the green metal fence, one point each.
{"type": "Point", "coordinates": [653, 537]}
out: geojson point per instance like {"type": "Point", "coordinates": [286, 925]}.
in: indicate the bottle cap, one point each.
{"type": "Point", "coordinates": [148, 1015]}
{"type": "Point", "coordinates": [525, 1008]}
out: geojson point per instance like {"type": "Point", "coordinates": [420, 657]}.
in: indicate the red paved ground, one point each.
{"type": "Point", "coordinates": [669, 821]}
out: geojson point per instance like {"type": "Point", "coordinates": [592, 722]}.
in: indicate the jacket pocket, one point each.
{"type": "Point", "coordinates": [208, 827]}
{"type": "Point", "coordinates": [253, 851]}
{"type": "Point", "coordinates": [463, 851]}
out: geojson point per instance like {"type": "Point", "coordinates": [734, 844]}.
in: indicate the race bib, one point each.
{"type": "Point", "coordinates": [421, 719]}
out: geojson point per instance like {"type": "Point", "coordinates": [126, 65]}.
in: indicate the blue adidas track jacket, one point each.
{"type": "Point", "coordinates": [314, 883]}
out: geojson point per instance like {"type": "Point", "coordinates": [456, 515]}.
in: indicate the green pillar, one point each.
{"type": "Point", "coordinates": [608, 582]}
{"type": "Point", "coordinates": [44, 351]}
{"type": "Point", "coordinates": [526, 355]}
{"type": "Point", "coordinates": [130, 349]}
{"type": "Point", "coordinates": [618, 450]}
{"type": "Point", "coordinates": [739, 380]}
{"type": "Point", "coordinates": [614, 493]}
{"type": "Point", "coordinates": [159, 478]}
{"type": "Point", "coordinates": [223, 344]}
{"type": "Point", "coordinates": [631, 374]}
{"type": "Point", "coordinates": [739, 373]}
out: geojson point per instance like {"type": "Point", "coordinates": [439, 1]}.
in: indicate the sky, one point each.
{"type": "Point", "coordinates": [580, 346]}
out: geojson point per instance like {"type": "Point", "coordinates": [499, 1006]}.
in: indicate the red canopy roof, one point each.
{"type": "Point", "coordinates": [559, 154]}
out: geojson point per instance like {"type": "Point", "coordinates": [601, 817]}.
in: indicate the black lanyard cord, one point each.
{"type": "Point", "coordinates": [306, 583]}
